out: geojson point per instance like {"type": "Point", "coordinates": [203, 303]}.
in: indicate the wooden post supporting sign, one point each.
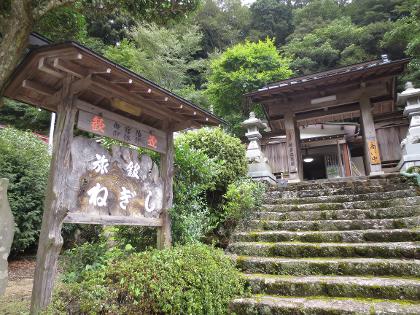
{"type": "Point", "coordinates": [56, 203]}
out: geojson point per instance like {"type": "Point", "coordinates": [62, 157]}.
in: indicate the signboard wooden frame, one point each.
{"type": "Point", "coordinates": [59, 199]}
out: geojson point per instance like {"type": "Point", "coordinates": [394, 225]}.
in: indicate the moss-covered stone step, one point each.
{"type": "Point", "coordinates": [276, 305]}
{"type": "Point", "coordinates": [344, 214]}
{"type": "Point", "coordinates": [353, 190]}
{"type": "Point", "coordinates": [392, 182]}
{"type": "Point", "coordinates": [335, 225]}
{"type": "Point", "coordinates": [335, 286]}
{"type": "Point", "coordinates": [366, 204]}
{"type": "Point", "coordinates": [329, 266]}
{"type": "Point", "coordinates": [358, 236]}
{"type": "Point", "coordinates": [297, 249]}
{"type": "Point", "coordinates": [278, 197]}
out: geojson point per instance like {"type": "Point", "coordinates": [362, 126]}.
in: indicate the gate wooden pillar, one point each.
{"type": "Point", "coordinates": [294, 156]}
{"type": "Point", "coordinates": [371, 149]}
{"type": "Point", "coordinates": [56, 203]}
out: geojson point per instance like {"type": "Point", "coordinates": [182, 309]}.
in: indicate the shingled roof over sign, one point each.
{"type": "Point", "coordinates": [360, 71]}
{"type": "Point", "coordinates": [102, 83]}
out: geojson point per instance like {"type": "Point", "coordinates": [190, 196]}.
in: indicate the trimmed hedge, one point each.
{"type": "Point", "coordinates": [193, 279]}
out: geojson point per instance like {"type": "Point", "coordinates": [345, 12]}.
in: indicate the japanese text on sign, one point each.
{"type": "Point", "coordinates": [141, 135]}
{"type": "Point", "coordinates": [374, 152]}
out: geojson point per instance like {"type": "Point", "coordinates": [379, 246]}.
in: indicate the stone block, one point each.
{"type": "Point", "coordinates": [6, 233]}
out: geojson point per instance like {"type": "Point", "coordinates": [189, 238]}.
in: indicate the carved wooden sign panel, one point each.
{"type": "Point", "coordinates": [113, 188]}
{"type": "Point", "coordinates": [374, 152]}
{"type": "Point", "coordinates": [137, 134]}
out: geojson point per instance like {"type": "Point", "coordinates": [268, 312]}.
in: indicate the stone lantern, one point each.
{"type": "Point", "coordinates": [258, 167]}
{"type": "Point", "coordinates": [410, 98]}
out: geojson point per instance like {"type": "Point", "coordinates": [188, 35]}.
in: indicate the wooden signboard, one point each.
{"type": "Point", "coordinates": [374, 152]}
{"type": "Point", "coordinates": [137, 134]}
{"type": "Point", "coordinates": [113, 188]}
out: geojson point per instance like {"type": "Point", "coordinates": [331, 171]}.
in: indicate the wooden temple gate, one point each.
{"type": "Point", "coordinates": [87, 183]}
{"type": "Point", "coordinates": [361, 94]}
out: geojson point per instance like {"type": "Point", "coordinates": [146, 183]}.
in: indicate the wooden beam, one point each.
{"type": "Point", "coordinates": [38, 87]}
{"type": "Point", "coordinates": [83, 218]}
{"type": "Point", "coordinates": [118, 91]}
{"type": "Point", "coordinates": [44, 67]}
{"type": "Point", "coordinates": [70, 67]}
{"type": "Point", "coordinates": [328, 111]}
{"type": "Point", "coordinates": [303, 104]}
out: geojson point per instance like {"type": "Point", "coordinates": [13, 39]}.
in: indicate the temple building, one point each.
{"type": "Point", "coordinates": [338, 123]}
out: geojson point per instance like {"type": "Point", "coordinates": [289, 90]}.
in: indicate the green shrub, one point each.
{"type": "Point", "coordinates": [242, 198]}
{"type": "Point", "coordinates": [24, 160]}
{"type": "Point", "coordinates": [227, 151]}
{"type": "Point", "coordinates": [195, 174]}
{"type": "Point", "coordinates": [194, 279]}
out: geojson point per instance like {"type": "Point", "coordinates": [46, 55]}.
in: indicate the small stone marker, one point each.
{"type": "Point", "coordinates": [6, 233]}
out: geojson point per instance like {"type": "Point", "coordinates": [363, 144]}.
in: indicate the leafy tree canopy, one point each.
{"type": "Point", "coordinates": [338, 43]}
{"type": "Point", "coordinates": [271, 18]}
{"type": "Point", "coordinates": [405, 37]}
{"type": "Point", "coordinates": [164, 55]}
{"type": "Point", "coordinates": [222, 22]}
{"type": "Point", "coordinates": [315, 14]}
{"type": "Point", "coordinates": [241, 69]}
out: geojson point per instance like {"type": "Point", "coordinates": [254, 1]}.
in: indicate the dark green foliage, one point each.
{"type": "Point", "coordinates": [227, 151]}
{"type": "Point", "coordinates": [242, 199]}
{"type": "Point", "coordinates": [364, 12]}
{"type": "Point", "coordinates": [194, 279]}
{"type": "Point", "coordinates": [222, 23]}
{"type": "Point", "coordinates": [25, 162]}
{"type": "Point", "coordinates": [404, 38]}
{"type": "Point", "coordinates": [22, 116]}
{"type": "Point", "coordinates": [195, 175]}
{"type": "Point", "coordinates": [211, 192]}
{"type": "Point", "coordinates": [271, 18]}
{"type": "Point", "coordinates": [71, 26]}
{"type": "Point", "coordinates": [315, 14]}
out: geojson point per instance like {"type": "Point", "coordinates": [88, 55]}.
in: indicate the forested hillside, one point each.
{"type": "Point", "coordinates": [207, 51]}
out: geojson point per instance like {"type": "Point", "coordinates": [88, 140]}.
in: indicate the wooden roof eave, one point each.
{"type": "Point", "coordinates": [269, 92]}
{"type": "Point", "coordinates": [161, 102]}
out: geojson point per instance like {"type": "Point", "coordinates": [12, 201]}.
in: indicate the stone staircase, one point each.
{"type": "Point", "coordinates": [333, 247]}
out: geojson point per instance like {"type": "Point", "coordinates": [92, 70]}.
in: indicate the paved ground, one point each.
{"type": "Point", "coordinates": [18, 293]}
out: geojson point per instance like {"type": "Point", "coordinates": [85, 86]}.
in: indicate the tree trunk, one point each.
{"type": "Point", "coordinates": [17, 27]}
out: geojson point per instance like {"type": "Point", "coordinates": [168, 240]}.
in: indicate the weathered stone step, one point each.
{"type": "Point", "coordinates": [366, 204]}
{"type": "Point", "coordinates": [276, 197]}
{"type": "Point", "coordinates": [357, 236]}
{"type": "Point", "coordinates": [336, 225]}
{"type": "Point", "coordinates": [344, 214]}
{"type": "Point", "coordinates": [297, 249]}
{"type": "Point", "coordinates": [338, 286]}
{"type": "Point", "coordinates": [272, 305]}
{"type": "Point", "coordinates": [351, 190]}
{"type": "Point", "coordinates": [329, 266]}
{"type": "Point", "coordinates": [391, 182]}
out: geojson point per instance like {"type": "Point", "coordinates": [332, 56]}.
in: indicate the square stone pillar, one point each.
{"type": "Point", "coordinates": [294, 157]}
{"type": "Point", "coordinates": [410, 98]}
{"type": "Point", "coordinates": [372, 156]}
